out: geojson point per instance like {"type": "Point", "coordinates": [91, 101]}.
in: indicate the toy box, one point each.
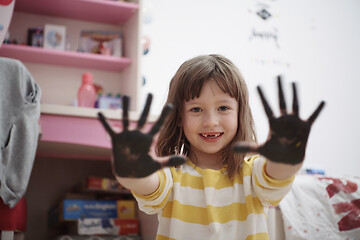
{"type": "Point", "coordinates": [125, 209]}
{"type": "Point", "coordinates": [97, 226]}
{"type": "Point", "coordinates": [108, 102]}
{"type": "Point", "coordinates": [82, 237]}
{"type": "Point", "coordinates": [75, 209]}
{"type": "Point", "coordinates": [98, 184]}
{"type": "Point", "coordinates": [71, 209]}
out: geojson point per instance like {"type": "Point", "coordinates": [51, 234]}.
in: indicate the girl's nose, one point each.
{"type": "Point", "coordinates": [210, 119]}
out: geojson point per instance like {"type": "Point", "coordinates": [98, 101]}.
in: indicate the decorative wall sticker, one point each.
{"type": "Point", "coordinates": [270, 62]}
{"type": "Point", "coordinates": [263, 11]}
{"type": "Point", "coordinates": [265, 35]}
{"type": "Point", "coordinates": [264, 14]}
{"type": "Point", "coordinates": [145, 42]}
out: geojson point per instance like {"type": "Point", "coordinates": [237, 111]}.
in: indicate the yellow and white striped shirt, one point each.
{"type": "Point", "coordinates": [195, 203]}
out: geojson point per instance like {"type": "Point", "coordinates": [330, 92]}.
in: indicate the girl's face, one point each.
{"type": "Point", "coordinates": [210, 121]}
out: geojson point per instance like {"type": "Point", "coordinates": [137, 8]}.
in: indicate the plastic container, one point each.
{"type": "Point", "coordinates": [86, 96]}
{"type": "Point", "coordinates": [109, 102]}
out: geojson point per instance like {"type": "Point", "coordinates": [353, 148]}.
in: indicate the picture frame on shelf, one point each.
{"type": "Point", "coordinates": [35, 37]}
{"type": "Point", "coordinates": [54, 37]}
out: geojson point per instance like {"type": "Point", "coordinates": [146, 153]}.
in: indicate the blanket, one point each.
{"type": "Point", "coordinates": [322, 208]}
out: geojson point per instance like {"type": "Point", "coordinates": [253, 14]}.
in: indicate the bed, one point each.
{"type": "Point", "coordinates": [318, 207]}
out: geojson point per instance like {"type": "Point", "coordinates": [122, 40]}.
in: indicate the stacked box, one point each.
{"type": "Point", "coordinates": [75, 237]}
{"type": "Point", "coordinates": [97, 226]}
{"type": "Point", "coordinates": [81, 213]}
{"type": "Point", "coordinates": [125, 209]}
{"type": "Point", "coordinates": [101, 185]}
{"type": "Point", "coordinates": [73, 209]}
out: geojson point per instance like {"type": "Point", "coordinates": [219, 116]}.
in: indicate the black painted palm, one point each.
{"type": "Point", "coordinates": [131, 147]}
{"type": "Point", "coordinates": [288, 133]}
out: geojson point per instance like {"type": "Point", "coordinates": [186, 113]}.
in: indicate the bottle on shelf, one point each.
{"type": "Point", "coordinates": [86, 94]}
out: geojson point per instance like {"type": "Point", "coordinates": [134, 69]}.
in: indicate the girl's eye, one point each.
{"type": "Point", "coordinates": [195, 109]}
{"type": "Point", "coordinates": [223, 108]}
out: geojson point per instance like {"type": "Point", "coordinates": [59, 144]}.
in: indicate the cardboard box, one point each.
{"type": "Point", "coordinates": [71, 209]}
{"type": "Point", "coordinates": [97, 226]}
{"type": "Point", "coordinates": [126, 209]}
{"type": "Point", "coordinates": [79, 237]}
{"type": "Point", "coordinates": [101, 185]}
{"type": "Point", "coordinates": [75, 209]}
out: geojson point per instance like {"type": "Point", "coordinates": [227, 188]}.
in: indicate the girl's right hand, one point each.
{"type": "Point", "coordinates": [288, 133]}
{"type": "Point", "coordinates": [131, 148]}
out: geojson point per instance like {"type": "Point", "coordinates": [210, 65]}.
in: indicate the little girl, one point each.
{"type": "Point", "coordinates": [213, 193]}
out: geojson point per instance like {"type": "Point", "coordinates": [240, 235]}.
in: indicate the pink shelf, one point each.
{"type": "Point", "coordinates": [63, 58]}
{"type": "Point", "coordinates": [76, 137]}
{"type": "Point", "coordinates": [74, 131]}
{"type": "Point", "coordinates": [69, 137]}
{"type": "Point", "coordinates": [105, 11]}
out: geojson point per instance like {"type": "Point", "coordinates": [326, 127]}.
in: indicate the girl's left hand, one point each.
{"type": "Point", "coordinates": [131, 148]}
{"type": "Point", "coordinates": [288, 133]}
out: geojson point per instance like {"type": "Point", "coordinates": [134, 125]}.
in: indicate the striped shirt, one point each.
{"type": "Point", "coordinates": [195, 203]}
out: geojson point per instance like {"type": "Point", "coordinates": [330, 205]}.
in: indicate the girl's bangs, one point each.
{"type": "Point", "coordinates": [228, 85]}
{"type": "Point", "coordinates": [194, 73]}
{"type": "Point", "coordinates": [192, 86]}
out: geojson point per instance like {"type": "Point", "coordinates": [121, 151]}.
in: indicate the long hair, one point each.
{"type": "Point", "coordinates": [186, 84]}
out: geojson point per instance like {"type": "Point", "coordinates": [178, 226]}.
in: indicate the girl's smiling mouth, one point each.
{"type": "Point", "coordinates": [211, 137]}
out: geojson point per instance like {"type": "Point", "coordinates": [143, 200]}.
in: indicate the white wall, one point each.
{"type": "Point", "coordinates": [317, 46]}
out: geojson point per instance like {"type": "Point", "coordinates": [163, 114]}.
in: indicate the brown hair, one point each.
{"type": "Point", "coordinates": [186, 85]}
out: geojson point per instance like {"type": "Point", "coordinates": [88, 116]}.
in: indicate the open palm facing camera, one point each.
{"type": "Point", "coordinates": [131, 148]}
{"type": "Point", "coordinates": [288, 133]}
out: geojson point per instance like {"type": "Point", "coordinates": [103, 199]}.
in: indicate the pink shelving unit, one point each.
{"type": "Point", "coordinates": [64, 58]}
{"type": "Point", "coordinates": [69, 133]}
{"type": "Point", "coordinates": [105, 11]}
{"type": "Point", "coordinates": [77, 133]}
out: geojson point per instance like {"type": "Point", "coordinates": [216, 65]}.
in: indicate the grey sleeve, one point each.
{"type": "Point", "coordinates": [19, 128]}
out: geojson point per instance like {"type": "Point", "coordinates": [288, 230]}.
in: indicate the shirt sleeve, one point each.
{"type": "Point", "coordinates": [155, 202]}
{"type": "Point", "coordinates": [270, 191]}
